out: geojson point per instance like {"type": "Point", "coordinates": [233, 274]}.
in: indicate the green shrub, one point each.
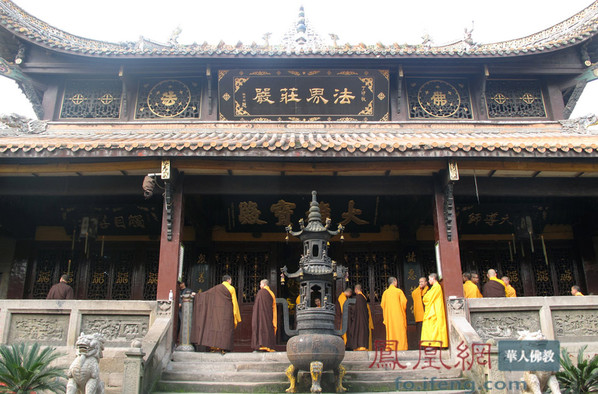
{"type": "Point", "coordinates": [580, 378]}
{"type": "Point", "coordinates": [25, 368]}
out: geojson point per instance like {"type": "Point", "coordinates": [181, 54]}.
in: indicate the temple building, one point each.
{"type": "Point", "coordinates": [152, 162]}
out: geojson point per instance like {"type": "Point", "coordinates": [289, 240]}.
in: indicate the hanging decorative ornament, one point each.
{"type": "Point", "coordinates": [530, 231]}
{"type": "Point", "coordinates": [544, 249]}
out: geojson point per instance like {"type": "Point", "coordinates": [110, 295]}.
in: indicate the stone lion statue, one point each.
{"type": "Point", "coordinates": [84, 373]}
{"type": "Point", "coordinates": [537, 382]}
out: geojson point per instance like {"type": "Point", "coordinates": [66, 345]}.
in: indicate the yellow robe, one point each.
{"type": "Point", "coordinates": [341, 300]}
{"type": "Point", "coordinates": [434, 324]}
{"type": "Point", "coordinates": [236, 311]}
{"type": "Point", "coordinates": [393, 306]}
{"type": "Point", "coordinates": [274, 309]}
{"type": "Point", "coordinates": [418, 305]}
{"type": "Point", "coordinates": [470, 290]}
{"type": "Point", "coordinates": [511, 291]}
{"type": "Point", "coordinates": [579, 294]}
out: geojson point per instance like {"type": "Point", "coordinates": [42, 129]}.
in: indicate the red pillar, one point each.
{"type": "Point", "coordinates": [450, 259]}
{"type": "Point", "coordinates": [168, 268]}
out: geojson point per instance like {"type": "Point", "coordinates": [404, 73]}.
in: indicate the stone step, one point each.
{"type": "Point", "coordinates": [408, 355]}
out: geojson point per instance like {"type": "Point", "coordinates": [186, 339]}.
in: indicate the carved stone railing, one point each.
{"type": "Point", "coordinates": [571, 320]}
{"type": "Point", "coordinates": [59, 323]}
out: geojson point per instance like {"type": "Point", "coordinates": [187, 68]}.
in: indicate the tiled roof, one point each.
{"type": "Point", "coordinates": [574, 30]}
{"type": "Point", "coordinates": [536, 139]}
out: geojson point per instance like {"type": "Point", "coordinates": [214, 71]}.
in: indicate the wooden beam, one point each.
{"type": "Point", "coordinates": [62, 167]}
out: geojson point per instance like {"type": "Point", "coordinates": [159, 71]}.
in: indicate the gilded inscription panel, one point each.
{"type": "Point", "coordinates": [44, 329]}
{"type": "Point", "coordinates": [575, 325]}
{"type": "Point", "coordinates": [118, 330]}
{"type": "Point", "coordinates": [504, 325]}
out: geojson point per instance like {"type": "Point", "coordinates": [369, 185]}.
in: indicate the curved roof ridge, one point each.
{"type": "Point", "coordinates": [571, 31]}
{"type": "Point", "coordinates": [588, 15]}
{"type": "Point", "coordinates": [30, 24]}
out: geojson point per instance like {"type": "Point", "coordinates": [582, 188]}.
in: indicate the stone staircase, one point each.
{"type": "Point", "coordinates": [190, 372]}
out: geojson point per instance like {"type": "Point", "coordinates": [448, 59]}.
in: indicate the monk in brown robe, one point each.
{"type": "Point", "coordinates": [494, 287]}
{"type": "Point", "coordinates": [61, 290]}
{"type": "Point", "coordinates": [418, 304]}
{"type": "Point", "coordinates": [360, 323]}
{"type": "Point", "coordinates": [338, 310]}
{"type": "Point", "coordinates": [264, 320]}
{"type": "Point", "coordinates": [215, 316]}
{"type": "Point", "coordinates": [394, 304]}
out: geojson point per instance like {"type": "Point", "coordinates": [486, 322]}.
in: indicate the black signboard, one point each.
{"type": "Point", "coordinates": [303, 95]}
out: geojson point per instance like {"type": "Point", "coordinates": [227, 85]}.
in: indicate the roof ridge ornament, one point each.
{"type": "Point", "coordinates": [579, 125]}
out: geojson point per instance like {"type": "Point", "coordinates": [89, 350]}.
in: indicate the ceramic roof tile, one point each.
{"type": "Point", "coordinates": [571, 31]}
{"type": "Point", "coordinates": [277, 139]}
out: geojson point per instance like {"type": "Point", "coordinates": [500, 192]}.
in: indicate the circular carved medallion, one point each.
{"type": "Point", "coordinates": [438, 98]}
{"type": "Point", "coordinates": [168, 98]}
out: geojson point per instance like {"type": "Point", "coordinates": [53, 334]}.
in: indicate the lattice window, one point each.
{"type": "Point", "coordinates": [485, 259]}
{"type": "Point", "coordinates": [512, 269]}
{"type": "Point", "coordinates": [91, 99]}
{"type": "Point", "coordinates": [542, 276]}
{"type": "Point", "coordinates": [97, 289]}
{"type": "Point", "coordinates": [427, 259]}
{"type": "Point", "coordinates": [227, 263]}
{"type": "Point", "coordinates": [358, 264]}
{"type": "Point", "coordinates": [168, 98]}
{"type": "Point", "coordinates": [565, 269]}
{"type": "Point", "coordinates": [150, 285]}
{"type": "Point", "coordinates": [47, 262]}
{"type": "Point", "coordinates": [438, 99]}
{"type": "Point", "coordinates": [386, 264]}
{"type": "Point", "coordinates": [514, 99]}
{"type": "Point", "coordinates": [121, 283]}
{"type": "Point", "coordinates": [255, 268]}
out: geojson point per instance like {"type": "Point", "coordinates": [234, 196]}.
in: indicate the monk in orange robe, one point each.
{"type": "Point", "coordinates": [418, 304]}
{"type": "Point", "coordinates": [434, 332]}
{"type": "Point", "coordinates": [510, 290]}
{"type": "Point", "coordinates": [394, 304]}
{"type": "Point", "coordinates": [470, 289]}
{"type": "Point", "coordinates": [576, 291]}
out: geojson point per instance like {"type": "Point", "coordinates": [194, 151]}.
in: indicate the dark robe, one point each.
{"type": "Point", "coordinates": [213, 320]}
{"type": "Point", "coordinates": [262, 327]}
{"type": "Point", "coordinates": [61, 291]}
{"type": "Point", "coordinates": [493, 288]}
{"type": "Point", "coordinates": [358, 328]}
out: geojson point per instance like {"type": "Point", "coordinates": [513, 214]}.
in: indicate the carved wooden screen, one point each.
{"type": "Point", "coordinates": [150, 284]}
{"type": "Point", "coordinates": [512, 270]}
{"type": "Point", "coordinates": [385, 265]}
{"type": "Point", "coordinates": [358, 264]}
{"type": "Point", "coordinates": [427, 259]}
{"type": "Point", "coordinates": [97, 288]}
{"type": "Point", "coordinates": [566, 269]}
{"type": "Point", "coordinates": [227, 263]}
{"type": "Point", "coordinates": [121, 280]}
{"type": "Point", "coordinates": [255, 268]}
{"type": "Point", "coordinates": [542, 276]}
{"type": "Point", "coordinates": [50, 263]}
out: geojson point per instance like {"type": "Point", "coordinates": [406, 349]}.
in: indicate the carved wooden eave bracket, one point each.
{"type": "Point", "coordinates": [452, 175]}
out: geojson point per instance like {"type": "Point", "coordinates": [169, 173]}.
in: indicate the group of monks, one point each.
{"type": "Point", "coordinates": [494, 287]}
{"type": "Point", "coordinates": [216, 314]}
{"type": "Point", "coordinates": [428, 310]}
